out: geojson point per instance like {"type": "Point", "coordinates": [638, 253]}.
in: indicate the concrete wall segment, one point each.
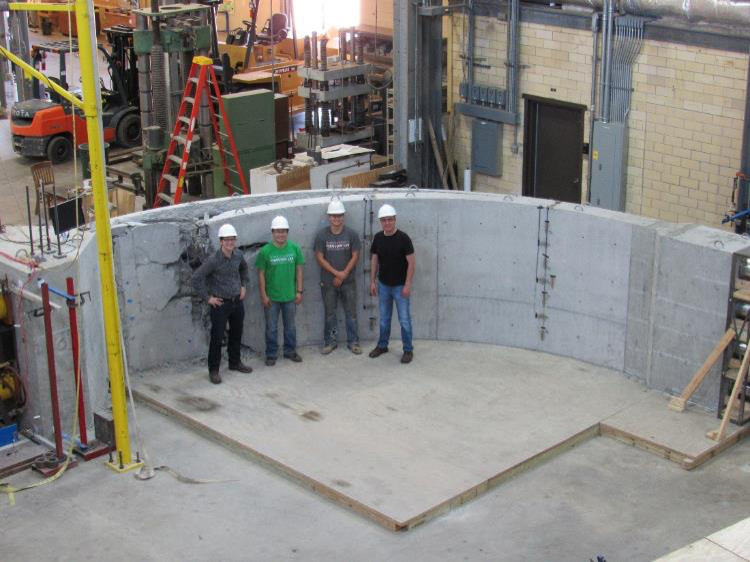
{"type": "Point", "coordinates": [634, 294]}
{"type": "Point", "coordinates": [621, 291]}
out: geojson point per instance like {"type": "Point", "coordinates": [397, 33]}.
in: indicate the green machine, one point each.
{"type": "Point", "coordinates": [251, 116]}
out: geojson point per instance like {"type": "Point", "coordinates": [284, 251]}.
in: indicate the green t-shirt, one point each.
{"type": "Point", "coordinates": [280, 267]}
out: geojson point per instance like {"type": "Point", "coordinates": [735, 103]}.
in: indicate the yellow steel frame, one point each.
{"type": "Point", "coordinates": [92, 109]}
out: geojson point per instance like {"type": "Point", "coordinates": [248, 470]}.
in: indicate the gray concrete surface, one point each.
{"type": "Point", "coordinates": [599, 498]}
{"type": "Point", "coordinates": [629, 293]}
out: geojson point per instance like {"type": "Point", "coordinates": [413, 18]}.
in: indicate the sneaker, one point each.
{"type": "Point", "coordinates": [407, 357]}
{"type": "Point", "coordinates": [378, 351]}
{"type": "Point", "coordinates": [214, 377]}
{"type": "Point", "coordinates": [270, 361]}
{"type": "Point", "coordinates": [294, 357]}
{"type": "Point", "coordinates": [241, 367]}
{"type": "Point", "coordinates": [355, 349]}
{"type": "Point", "coordinates": [328, 348]}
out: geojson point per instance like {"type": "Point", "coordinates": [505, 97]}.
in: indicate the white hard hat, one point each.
{"type": "Point", "coordinates": [279, 223]}
{"type": "Point", "coordinates": [386, 211]}
{"type": "Point", "coordinates": [227, 231]}
{"type": "Point", "coordinates": [336, 207]}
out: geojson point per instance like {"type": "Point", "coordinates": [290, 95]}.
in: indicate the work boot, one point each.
{"type": "Point", "coordinates": [214, 376]}
{"type": "Point", "coordinates": [407, 357]}
{"type": "Point", "coordinates": [328, 348]}
{"type": "Point", "coordinates": [378, 351]}
{"type": "Point", "coordinates": [355, 349]}
{"type": "Point", "coordinates": [241, 367]}
{"type": "Point", "coordinates": [294, 357]}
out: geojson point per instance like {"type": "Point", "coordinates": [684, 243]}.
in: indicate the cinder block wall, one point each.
{"type": "Point", "coordinates": [685, 121]}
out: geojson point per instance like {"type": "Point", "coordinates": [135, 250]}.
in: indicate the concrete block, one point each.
{"type": "Point", "coordinates": [157, 243]}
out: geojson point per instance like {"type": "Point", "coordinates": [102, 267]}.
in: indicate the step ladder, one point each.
{"type": "Point", "coordinates": [201, 80]}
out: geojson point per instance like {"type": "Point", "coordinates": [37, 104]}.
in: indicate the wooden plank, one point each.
{"type": "Point", "coordinates": [718, 435]}
{"type": "Point", "coordinates": [449, 159]}
{"type": "Point", "coordinates": [668, 453]}
{"type": "Point", "coordinates": [742, 295]}
{"type": "Point", "coordinates": [714, 451]}
{"type": "Point", "coordinates": [735, 538]}
{"type": "Point", "coordinates": [678, 403]}
{"type": "Point", "coordinates": [364, 179]}
{"type": "Point", "coordinates": [700, 551]}
{"type": "Point", "coordinates": [504, 476]}
{"type": "Point", "coordinates": [436, 154]}
{"type": "Point", "coordinates": [268, 462]}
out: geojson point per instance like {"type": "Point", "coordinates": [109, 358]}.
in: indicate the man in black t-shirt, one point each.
{"type": "Point", "coordinates": [392, 261]}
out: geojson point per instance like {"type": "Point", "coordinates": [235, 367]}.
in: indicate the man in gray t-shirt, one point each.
{"type": "Point", "coordinates": [337, 250]}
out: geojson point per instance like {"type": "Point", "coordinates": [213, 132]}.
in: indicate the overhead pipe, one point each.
{"type": "Point", "coordinates": [726, 12]}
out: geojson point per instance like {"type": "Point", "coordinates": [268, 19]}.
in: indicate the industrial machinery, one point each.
{"type": "Point", "coordinates": [45, 128]}
{"type": "Point", "coordinates": [336, 95]}
{"type": "Point", "coordinates": [12, 391]}
{"type": "Point", "coordinates": [166, 39]}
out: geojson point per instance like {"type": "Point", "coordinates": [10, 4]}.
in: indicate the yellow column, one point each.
{"type": "Point", "coordinates": [84, 10]}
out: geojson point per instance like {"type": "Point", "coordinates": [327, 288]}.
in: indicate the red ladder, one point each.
{"type": "Point", "coordinates": [183, 133]}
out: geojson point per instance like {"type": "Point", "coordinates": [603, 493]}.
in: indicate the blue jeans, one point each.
{"type": "Point", "coordinates": [386, 296]}
{"type": "Point", "coordinates": [348, 295]}
{"type": "Point", "coordinates": [287, 310]}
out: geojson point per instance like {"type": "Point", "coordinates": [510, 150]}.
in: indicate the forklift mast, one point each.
{"type": "Point", "coordinates": [121, 60]}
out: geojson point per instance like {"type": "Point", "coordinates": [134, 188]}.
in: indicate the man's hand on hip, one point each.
{"type": "Point", "coordinates": [215, 301]}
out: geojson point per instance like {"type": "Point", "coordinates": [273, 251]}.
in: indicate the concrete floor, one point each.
{"type": "Point", "coordinates": [599, 498]}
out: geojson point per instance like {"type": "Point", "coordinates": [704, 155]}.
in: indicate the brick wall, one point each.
{"type": "Point", "coordinates": [685, 121]}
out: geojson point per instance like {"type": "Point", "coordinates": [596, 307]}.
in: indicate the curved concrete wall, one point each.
{"type": "Point", "coordinates": [641, 296]}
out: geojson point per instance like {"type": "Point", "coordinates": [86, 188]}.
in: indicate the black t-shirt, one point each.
{"type": "Point", "coordinates": [392, 251]}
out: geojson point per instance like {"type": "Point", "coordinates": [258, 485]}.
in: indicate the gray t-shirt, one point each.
{"type": "Point", "coordinates": [337, 250]}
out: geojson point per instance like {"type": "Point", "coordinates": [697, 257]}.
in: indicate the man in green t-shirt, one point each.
{"type": "Point", "coordinates": [281, 283]}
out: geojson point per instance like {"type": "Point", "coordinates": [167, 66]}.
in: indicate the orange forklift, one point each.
{"type": "Point", "coordinates": [44, 128]}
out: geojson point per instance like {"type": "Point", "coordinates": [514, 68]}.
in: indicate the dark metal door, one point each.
{"type": "Point", "coordinates": [553, 149]}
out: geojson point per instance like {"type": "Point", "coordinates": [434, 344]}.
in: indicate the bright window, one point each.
{"type": "Point", "coordinates": [322, 15]}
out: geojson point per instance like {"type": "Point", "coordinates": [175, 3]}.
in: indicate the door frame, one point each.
{"type": "Point", "coordinates": [529, 136]}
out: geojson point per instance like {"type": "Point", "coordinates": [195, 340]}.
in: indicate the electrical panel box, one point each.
{"type": "Point", "coordinates": [608, 160]}
{"type": "Point", "coordinates": [486, 142]}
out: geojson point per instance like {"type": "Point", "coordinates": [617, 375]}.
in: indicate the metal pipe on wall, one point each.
{"type": "Point", "coordinates": [607, 25]}
{"type": "Point", "coordinates": [593, 105]}
{"type": "Point", "coordinates": [512, 69]}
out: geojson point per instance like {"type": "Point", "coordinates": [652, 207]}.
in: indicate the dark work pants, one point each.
{"type": "Point", "coordinates": [232, 311]}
